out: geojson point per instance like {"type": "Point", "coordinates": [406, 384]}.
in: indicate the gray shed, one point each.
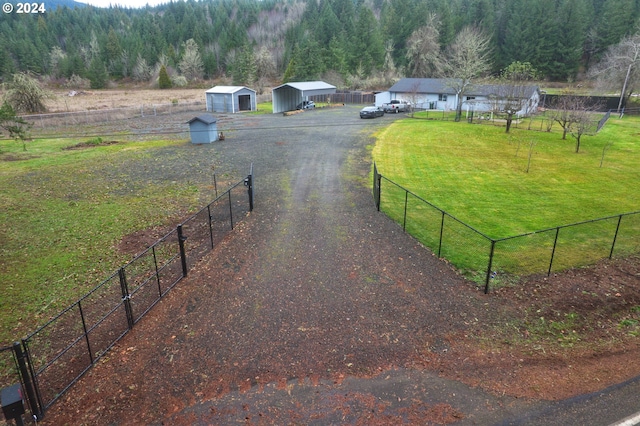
{"type": "Point", "coordinates": [203, 129]}
{"type": "Point", "coordinates": [230, 99]}
{"type": "Point", "coordinates": [286, 97]}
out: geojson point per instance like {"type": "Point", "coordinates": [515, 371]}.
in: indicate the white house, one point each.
{"type": "Point", "coordinates": [435, 93]}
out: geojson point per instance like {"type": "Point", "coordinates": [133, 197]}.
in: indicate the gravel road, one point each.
{"type": "Point", "coordinates": [316, 310]}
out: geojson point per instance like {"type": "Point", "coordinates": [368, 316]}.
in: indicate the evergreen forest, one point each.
{"type": "Point", "coordinates": [342, 41]}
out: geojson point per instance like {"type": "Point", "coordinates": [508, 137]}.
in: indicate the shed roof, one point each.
{"type": "Point", "coordinates": [204, 118]}
{"type": "Point", "coordinates": [227, 89]}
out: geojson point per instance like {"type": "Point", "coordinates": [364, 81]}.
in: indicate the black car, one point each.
{"type": "Point", "coordinates": [371, 112]}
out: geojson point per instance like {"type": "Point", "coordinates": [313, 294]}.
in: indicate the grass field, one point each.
{"type": "Point", "coordinates": [478, 174]}
{"type": "Point", "coordinates": [64, 211]}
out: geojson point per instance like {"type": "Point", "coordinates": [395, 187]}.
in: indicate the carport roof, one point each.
{"type": "Point", "coordinates": [307, 85]}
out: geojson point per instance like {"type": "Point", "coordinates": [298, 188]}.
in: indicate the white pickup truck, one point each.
{"type": "Point", "coordinates": [395, 106]}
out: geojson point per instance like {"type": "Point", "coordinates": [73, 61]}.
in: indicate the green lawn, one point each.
{"type": "Point", "coordinates": [478, 174]}
{"type": "Point", "coordinates": [63, 212]}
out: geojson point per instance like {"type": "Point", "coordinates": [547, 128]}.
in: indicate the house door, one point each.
{"type": "Point", "coordinates": [244, 102]}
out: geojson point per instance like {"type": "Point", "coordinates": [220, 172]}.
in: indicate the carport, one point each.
{"type": "Point", "coordinates": [287, 96]}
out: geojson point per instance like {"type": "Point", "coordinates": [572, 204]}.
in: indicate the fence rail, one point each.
{"type": "Point", "coordinates": [57, 354]}
{"type": "Point", "coordinates": [491, 259]}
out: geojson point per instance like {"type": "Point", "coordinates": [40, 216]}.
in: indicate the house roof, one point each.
{"type": "Point", "coordinates": [227, 89]}
{"type": "Point", "coordinates": [441, 85]}
{"type": "Point", "coordinates": [422, 85]}
{"type": "Point", "coordinates": [204, 118]}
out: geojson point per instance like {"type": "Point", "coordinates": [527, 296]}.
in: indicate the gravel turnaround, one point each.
{"type": "Point", "coordinates": [317, 309]}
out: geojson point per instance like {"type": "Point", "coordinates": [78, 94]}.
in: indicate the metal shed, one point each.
{"type": "Point", "coordinates": [286, 97]}
{"type": "Point", "coordinates": [230, 99]}
{"type": "Point", "coordinates": [203, 129]}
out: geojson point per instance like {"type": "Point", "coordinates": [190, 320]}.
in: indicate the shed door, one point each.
{"type": "Point", "coordinates": [244, 102]}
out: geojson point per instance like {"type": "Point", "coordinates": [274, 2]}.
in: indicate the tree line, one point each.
{"type": "Point", "coordinates": [348, 42]}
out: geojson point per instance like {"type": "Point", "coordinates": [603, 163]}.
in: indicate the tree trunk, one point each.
{"type": "Point", "coordinates": [509, 120]}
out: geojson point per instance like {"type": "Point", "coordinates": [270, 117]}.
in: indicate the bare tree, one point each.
{"type": "Point", "coordinates": [583, 123]}
{"type": "Point", "coordinates": [532, 144]}
{"type": "Point", "coordinates": [604, 151]}
{"type": "Point", "coordinates": [413, 97]}
{"type": "Point", "coordinates": [467, 59]}
{"type": "Point", "coordinates": [567, 110]}
{"type": "Point", "coordinates": [265, 68]}
{"type": "Point", "coordinates": [423, 50]}
{"type": "Point", "coordinates": [389, 69]}
{"type": "Point", "coordinates": [620, 68]}
{"type": "Point", "coordinates": [141, 70]}
{"type": "Point", "coordinates": [514, 91]}
{"type": "Point", "coordinates": [191, 65]}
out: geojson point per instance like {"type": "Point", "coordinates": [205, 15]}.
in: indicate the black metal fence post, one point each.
{"type": "Point", "coordinates": [249, 183]}
{"type": "Point", "coordinates": [615, 237]}
{"type": "Point", "coordinates": [406, 201]}
{"type": "Point", "coordinates": [377, 180]}
{"type": "Point", "coordinates": [230, 210]}
{"type": "Point", "coordinates": [183, 253]}
{"type": "Point", "coordinates": [553, 252]}
{"type": "Point", "coordinates": [441, 234]}
{"type": "Point", "coordinates": [210, 225]}
{"type": "Point", "coordinates": [126, 297]}
{"type": "Point", "coordinates": [157, 272]}
{"type": "Point", "coordinates": [486, 284]}
{"type": "Point", "coordinates": [30, 386]}
{"type": "Point", "coordinates": [86, 333]}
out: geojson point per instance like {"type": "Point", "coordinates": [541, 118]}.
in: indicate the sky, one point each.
{"type": "Point", "coordinates": [126, 3]}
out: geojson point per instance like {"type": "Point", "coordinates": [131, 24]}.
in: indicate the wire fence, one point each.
{"type": "Point", "coordinates": [491, 261]}
{"type": "Point", "coordinates": [543, 121]}
{"type": "Point", "coordinates": [66, 347]}
{"type": "Point", "coordinates": [71, 119]}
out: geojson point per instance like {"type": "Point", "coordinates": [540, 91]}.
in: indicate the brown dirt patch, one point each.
{"type": "Point", "coordinates": [572, 333]}
{"type": "Point", "coordinates": [91, 144]}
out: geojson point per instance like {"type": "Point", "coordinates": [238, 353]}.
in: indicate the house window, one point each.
{"type": "Point", "coordinates": [442, 97]}
{"type": "Point", "coordinates": [470, 98]}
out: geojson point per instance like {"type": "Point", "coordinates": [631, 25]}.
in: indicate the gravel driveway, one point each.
{"type": "Point", "coordinates": [316, 310]}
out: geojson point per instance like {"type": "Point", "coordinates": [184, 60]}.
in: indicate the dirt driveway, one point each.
{"type": "Point", "coordinates": [316, 310]}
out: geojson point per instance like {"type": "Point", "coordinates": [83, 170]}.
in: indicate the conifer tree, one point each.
{"type": "Point", "coordinates": [164, 82]}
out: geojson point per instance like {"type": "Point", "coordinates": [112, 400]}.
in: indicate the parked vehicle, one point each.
{"type": "Point", "coordinates": [395, 106]}
{"type": "Point", "coordinates": [371, 112]}
{"type": "Point", "coordinates": [306, 105]}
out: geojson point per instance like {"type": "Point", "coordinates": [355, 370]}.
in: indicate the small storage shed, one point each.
{"type": "Point", "coordinates": [203, 129]}
{"type": "Point", "coordinates": [230, 99]}
{"type": "Point", "coordinates": [286, 97]}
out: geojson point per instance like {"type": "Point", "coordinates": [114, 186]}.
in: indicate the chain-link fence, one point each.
{"type": "Point", "coordinates": [489, 260]}
{"type": "Point", "coordinates": [62, 350]}
{"type": "Point", "coordinates": [72, 119]}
